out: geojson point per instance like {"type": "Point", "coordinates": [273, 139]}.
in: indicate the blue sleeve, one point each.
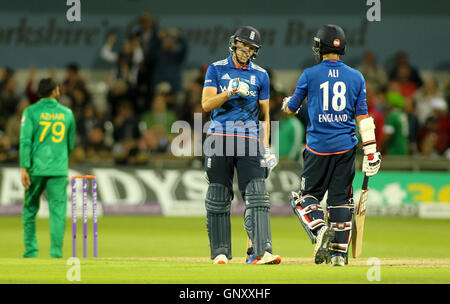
{"type": "Point", "coordinates": [211, 77]}
{"type": "Point", "coordinates": [264, 92]}
{"type": "Point", "coordinates": [361, 104]}
{"type": "Point", "coordinates": [299, 94]}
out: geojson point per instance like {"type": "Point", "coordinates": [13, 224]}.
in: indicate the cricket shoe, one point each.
{"type": "Point", "coordinates": [266, 259]}
{"type": "Point", "coordinates": [338, 259]}
{"type": "Point", "coordinates": [323, 238]}
{"type": "Point", "coordinates": [250, 259]}
{"type": "Point", "coordinates": [220, 259]}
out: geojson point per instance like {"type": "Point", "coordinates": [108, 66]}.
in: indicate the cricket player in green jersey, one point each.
{"type": "Point", "coordinates": [396, 129]}
{"type": "Point", "coordinates": [47, 137]}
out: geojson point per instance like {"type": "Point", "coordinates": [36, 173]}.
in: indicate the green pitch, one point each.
{"type": "Point", "coordinates": [152, 249]}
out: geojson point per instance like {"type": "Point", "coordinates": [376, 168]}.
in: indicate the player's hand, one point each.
{"type": "Point", "coordinates": [371, 163]}
{"type": "Point", "coordinates": [271, 161]}
{"type": "Point", "coordinates": [235, 86]}
{"type": "Point", "coordinates": [25, 177]}
{"type": "Point", "coordinates": [285, 108]}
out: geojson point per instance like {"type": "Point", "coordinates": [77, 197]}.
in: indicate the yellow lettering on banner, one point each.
{"type": "Point", "coordinates": [444, 194]}
{"type": "Point", "coordinates": [425, 192]}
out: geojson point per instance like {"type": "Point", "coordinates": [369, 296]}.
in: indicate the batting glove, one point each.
{"type": "Point", "coordinates": [271, 161]}
{"type": "Point", "coordinates": [235, 86]}
{"type": "Point", "coordinates": [371, 163]}
{"type": "Point", "coordinates": [285, 108]}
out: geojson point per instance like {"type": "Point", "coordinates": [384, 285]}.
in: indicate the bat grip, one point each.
{"type": "Point", "coordinates": [365, 182]}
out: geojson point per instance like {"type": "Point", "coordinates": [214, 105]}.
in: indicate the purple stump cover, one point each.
{"type": "Point", "coordinates": [94, 217]}
{"type": "Point", "coordinates": [74, 217]}
{"type": "Point", "coordinates": [85, 217]}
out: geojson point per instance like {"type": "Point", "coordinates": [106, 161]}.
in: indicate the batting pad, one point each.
{"type": "Point", "coordinates": [257, 216]}
{"type": "Point", "coordinates": [340, 218]}
{"type": "Point", "coordinates": [218, 223]}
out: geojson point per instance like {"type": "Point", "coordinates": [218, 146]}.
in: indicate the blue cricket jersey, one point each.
{"type": "Point", "coordinates": [239, 115]}
{"type": "Point", "coordinates": [336, 96]}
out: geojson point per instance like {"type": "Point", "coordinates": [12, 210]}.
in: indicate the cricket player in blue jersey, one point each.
{"type": "Point", "coordinates": [336, 104]}
{"type": "Point", "coordinates": [236, 92]}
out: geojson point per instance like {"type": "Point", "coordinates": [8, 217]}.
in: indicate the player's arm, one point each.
{"type": "Point", "coordinates": [264, 107]}
{"type": "Point", "coordinates": [71, 134]}
{"type": "Point", "coordinates": [265, 112]}
{"type": "Point", "coordinates": [372, 158]}
{"type": "Point", "coordinates": [292, 104]}
{"type": "Point", "coordinates": [211, 100]}
{"type": "Point", "coordinates": [366, 125]}
{"type": "Point", "coordinates": [269, 157]}
{"type": "Point", "coordinates": [285, 107]}
{"type": "Point", "coordinates": [25, 146]}
{"type": "Point", "coordinates": [361, 117]}
{"type": "Point", "coordinates": [264, 99]}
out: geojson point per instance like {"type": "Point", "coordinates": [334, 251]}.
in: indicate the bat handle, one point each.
{"type": "Point", "coordinates": [365, 182]}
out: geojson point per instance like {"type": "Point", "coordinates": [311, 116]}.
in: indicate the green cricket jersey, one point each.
{"type": "Point", "coordinates": [290, 132]}
{"type": "Point", "coordinates": [47, 136]}
{"type": "Point", "coordinates": [397, 126]}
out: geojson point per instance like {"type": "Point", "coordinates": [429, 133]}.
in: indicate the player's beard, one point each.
{"type": "Point", "coordinates": [242, 63]}
{"type": "Point", "coordinates": [57, 95]}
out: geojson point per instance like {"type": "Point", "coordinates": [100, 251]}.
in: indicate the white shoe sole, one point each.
{"type": "Point", "coordinates": [337, 261]}
{"type": "Point", "coordinates": [268, 259]}
{"type": "Point", "coordinates": [220, 259]}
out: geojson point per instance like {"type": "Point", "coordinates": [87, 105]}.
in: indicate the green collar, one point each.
{"type": "Point", "coordinates": [48, 99]}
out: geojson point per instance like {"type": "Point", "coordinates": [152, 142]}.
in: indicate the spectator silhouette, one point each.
{"type": "Point", "coordinates": [423, 99]}
{"type": "Point", "coordinates": [147, 31]}
{"type": "Point", "coordinates": [401, 59]}
{"type": "Point", "coordinates": [372, 72]}
{"type": "Point", "coordinates": [435, 134]}
{"type": "Point", "coordinates": [159, 118]}
{"type": "Point", "coordinates": [170, 59]}
{"type": "Point", "coordinates": [9, 96]}
{"type": "Point", "coordinates": [127, 62]}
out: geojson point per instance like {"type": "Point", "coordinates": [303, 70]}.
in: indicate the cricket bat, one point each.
{"type": "Point", "coordinates": [358, 220]}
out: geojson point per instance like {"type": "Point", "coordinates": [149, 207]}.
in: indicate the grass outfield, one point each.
{"type": "Point", "coordinates": [152, 249]}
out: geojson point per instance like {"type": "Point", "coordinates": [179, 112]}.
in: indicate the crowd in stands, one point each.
{"type": "Point", "coordinates": [411, 113]}
{"type": "Point", "coordinates": [145, 97]}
